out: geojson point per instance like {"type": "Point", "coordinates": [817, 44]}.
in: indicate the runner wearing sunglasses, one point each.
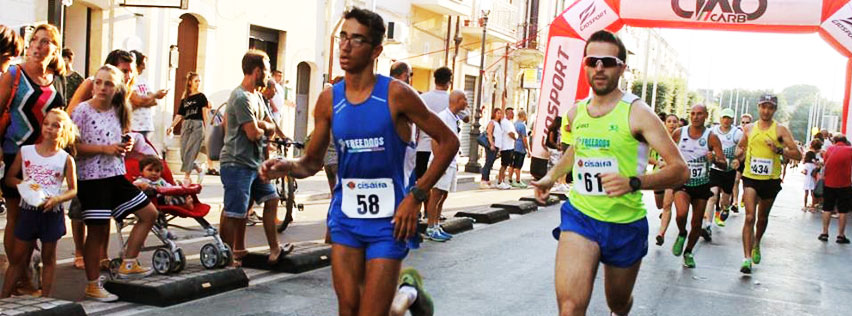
{"type": "Point", "coordinates": [612, 132]}
{"type": "Point", "coordinates": [760, 149]}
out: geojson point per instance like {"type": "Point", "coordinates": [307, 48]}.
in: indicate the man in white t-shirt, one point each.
{"type": "Point", "coordinates": [436, 100]}
{"type": "Point", "coordinates": [447, 183]}
{"type": "Point", "coordinates": [142, 120]}
{"type": "Point", "coordinates": [506, 147]}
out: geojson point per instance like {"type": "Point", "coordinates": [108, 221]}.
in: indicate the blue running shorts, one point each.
{"type": "Point", "coordinates": [621, 245]}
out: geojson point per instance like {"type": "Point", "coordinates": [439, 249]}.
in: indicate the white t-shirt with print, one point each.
{"type": "Point", "coordinates": [48, 172]}
{"type": "Point", "coordinates": [142, 119]}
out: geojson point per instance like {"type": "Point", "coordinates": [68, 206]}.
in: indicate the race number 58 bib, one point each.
{"type": "Point", "coordinates": [368, 198]}
{"type": "Point", "coordinates": [761, 166]}
{"type": "Point", "coordinates": [589, 172]}
{"type": "Point", "coordinates": [697, 169]}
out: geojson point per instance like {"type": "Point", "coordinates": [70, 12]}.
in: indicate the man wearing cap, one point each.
{"type": "Point", "coordinates": [760, 149]}
{"type": "Point", "coordinates": [723, 178]}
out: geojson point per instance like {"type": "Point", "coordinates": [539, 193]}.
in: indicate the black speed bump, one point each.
{"type": "Point", "coordinates": [561, 196]}
{"type": "Point", "coordinates": [551, 200]}
{"type": "Point", "coordinates": [38, 306]}
{"type": "Point", "coordinates": [485, 215]}
{"type": "Point", "coordinates": [306, 256]}
{"type": "Point", "coordinates": [457, 225]}
{"type": "Point", "coordinates": [164, 290]}
{"type": "Point", "coordinates": [516, 207]}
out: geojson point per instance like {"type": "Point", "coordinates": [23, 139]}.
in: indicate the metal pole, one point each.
{"type": "Point", "coordinates": [645, 70]}
{"type": "Point", "coordinates": [656, 73]}
{"type": "Point", "coordinates": [473, 160]}
{"type": "Point", "coordinates": [731, 101]}
{"type": "Point", "coordinates": [810, 124]}
{"type": "Point", "coordinates": [737, 108]}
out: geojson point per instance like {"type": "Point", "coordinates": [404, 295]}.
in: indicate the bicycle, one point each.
{"type": "Point", "coordinates": [286, 186]}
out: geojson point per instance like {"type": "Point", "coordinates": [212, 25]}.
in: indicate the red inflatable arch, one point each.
{"type": "Point", "coordinates": [564, 81]}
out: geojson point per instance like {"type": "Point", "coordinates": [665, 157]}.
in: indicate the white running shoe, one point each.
{"type": "Point", "coordinates": [504, 186]}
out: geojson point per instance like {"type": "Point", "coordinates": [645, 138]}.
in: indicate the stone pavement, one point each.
{"type": "Point", "coordinates": [507, 269]}
{"type": "Point", "coordinates": [309, 225]}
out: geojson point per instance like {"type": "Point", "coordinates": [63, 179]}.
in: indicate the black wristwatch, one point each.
{"type": "Point", "coordinates": [419, 195]}
{"type": "Point", "coordinates": [635, 184]}
{"type": "Point", "coordinates": [779, 150]}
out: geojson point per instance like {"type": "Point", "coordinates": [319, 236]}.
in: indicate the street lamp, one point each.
{"type": "Point", "coordinates": [473, 159]}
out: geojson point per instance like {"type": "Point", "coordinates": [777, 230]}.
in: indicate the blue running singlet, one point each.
{"type": "Point", "coordinates": [372, 177]}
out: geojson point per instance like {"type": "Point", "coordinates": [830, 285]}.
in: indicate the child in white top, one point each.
{"type": "Point", "coordinates": [44, 166]}
{"type": "Point", "coordinates": [809, 169]}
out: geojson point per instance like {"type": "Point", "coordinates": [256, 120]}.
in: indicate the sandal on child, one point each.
{"type": "Point", "coordinates": [823, 237]}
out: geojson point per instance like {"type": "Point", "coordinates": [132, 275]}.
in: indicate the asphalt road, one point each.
{"type": "Point", "coordinates": [507, 269]}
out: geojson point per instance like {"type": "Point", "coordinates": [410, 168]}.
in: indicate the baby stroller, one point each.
{"type": "Point", "coordinates": [169, 258]}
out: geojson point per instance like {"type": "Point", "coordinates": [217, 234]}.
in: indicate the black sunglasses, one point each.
{"type": "Point", "coordinates": [605, 61]}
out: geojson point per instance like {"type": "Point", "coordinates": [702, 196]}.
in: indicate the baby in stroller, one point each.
{"type": "Point", "coordinates": [181, 201]}
{"type": "Point", "coordinates": [151, 168]}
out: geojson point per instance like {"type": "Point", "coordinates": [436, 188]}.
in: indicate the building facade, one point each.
{"type": "Point", "coordinates": [210, 36]}
{"type": "Point", "coordinates": [206, 36]}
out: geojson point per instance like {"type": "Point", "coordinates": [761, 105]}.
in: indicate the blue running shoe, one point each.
{"type": "Point", "coordinates": [435, 235]}
{"type": "Point", "coordinates": [446, 234]}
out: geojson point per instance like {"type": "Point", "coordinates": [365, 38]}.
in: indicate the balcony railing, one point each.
{"type": "Point", "coordinates": [445, 7]}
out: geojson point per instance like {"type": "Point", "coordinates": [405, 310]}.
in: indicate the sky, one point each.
{"type": "Point", "coordinates": [725, 60]}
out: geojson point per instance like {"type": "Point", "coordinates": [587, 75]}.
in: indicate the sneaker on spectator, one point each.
{"type": "Point", "coordinates": [131, 269]}
{"type": "Point", "coordinates": [446, 234]}
{"type": "Point", "coordinates": [484, 185]}
{"type": "Point", "coordinates": [95, 291]}
{"type": "Point", "coordinates": [504, 186]}
{"type": "Point", "coordinates": [435, 235]}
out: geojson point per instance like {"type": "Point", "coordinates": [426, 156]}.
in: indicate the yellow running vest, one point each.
{"type": "Point", "coordinates": [761, 162]}
{"type": "Point", "coordinates": [606, 145]}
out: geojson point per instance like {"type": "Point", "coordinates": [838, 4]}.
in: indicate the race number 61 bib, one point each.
{"type": "Point", "coordinates": [368, 198]}
{"type": "Point", "coordinates": [761, 166]}
{"type": "Point", "coordinates": [589, 172]}
{"type": "Point", "coordinates": [697, 169]}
